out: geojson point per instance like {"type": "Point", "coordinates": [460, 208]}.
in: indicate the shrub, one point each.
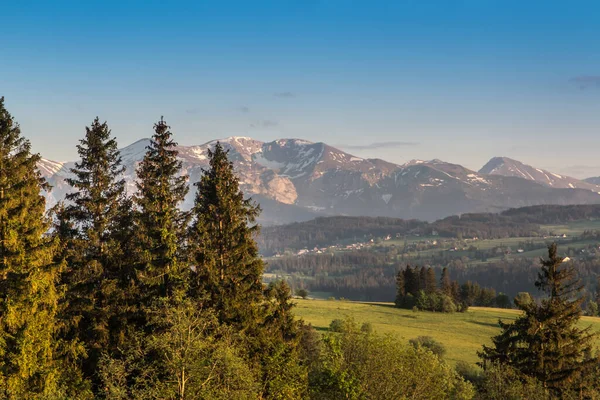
{"type": "Point", "coordinates": [356, 365]}
{"type": "Point", "coordinates": [302, 293]}
{"type": "Point", "coordinates": [366, 327]}
{"type": "Point", "coordinates": [469, 372]}
{"type": "Point", "coordinates": [429, 343]}
{"type": "Point", "coordinates": [337, 325]}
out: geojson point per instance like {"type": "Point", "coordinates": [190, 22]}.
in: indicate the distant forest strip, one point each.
{"type": "Point", "coordinates": [327, 231]}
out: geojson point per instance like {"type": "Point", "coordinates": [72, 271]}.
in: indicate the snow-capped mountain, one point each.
{"type": "Point", "coordinates": [508, 167]}
{"type": "Point", "coordinates": [296, 180]}
{"type": "Point", "coordinates": [48, 167]}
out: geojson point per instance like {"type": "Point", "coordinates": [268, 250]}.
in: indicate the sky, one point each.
{"type": "Point", "coordinates": [457, 80]}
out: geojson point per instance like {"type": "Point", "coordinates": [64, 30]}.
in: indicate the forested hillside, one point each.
{"type": "Point", "coordinates": [327, 231]}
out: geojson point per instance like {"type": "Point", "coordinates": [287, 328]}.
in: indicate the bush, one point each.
{"type": "Point", "coordinates": [366, 327]}
{"type": "Point", "coordinates": [303, 293]}
{"type": "Point", "coordinates": [503, 382]}
{"type": "Point", "coordinates": [337, 325]}
{"type": "Point", "coordinates": [356, 365]}
{"type": "Point", "coordinates": [469, 372]}
{"type": "Point", "coordinates": [523, 298]}
{"type": "Point", "coordinates": [429, 343]}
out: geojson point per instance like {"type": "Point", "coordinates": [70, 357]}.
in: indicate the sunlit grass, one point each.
{"type": "Point", "coordinates": [462, 334]}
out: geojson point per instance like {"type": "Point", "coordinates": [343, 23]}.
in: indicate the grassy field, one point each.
{"type": "Point", "coordinates": [574, 228]}
{"type": "Point", "coordinates": [463, 334]}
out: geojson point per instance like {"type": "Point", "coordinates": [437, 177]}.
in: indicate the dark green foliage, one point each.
{"type": "Point", "coordinates": [228, 279]}
{"type": "Point", "coordinates": [419, 289]}
{"type": "Point", "coordinates": [228, 267]}
{"type": "Point", "coordinates": [303, 293]}
{"type": "Point", "coordinates": [93, 309]}
{"type": "Point", "coordinates": [446, 283]}
{"type": "Point", "coordinates": [503, 301]}
{"type": "Point", "coordinates": [544, 343]}
{"type": "Point", "coordinates": [160, 225]}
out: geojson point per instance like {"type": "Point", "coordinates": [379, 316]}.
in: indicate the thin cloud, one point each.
{"type": "Point", "coordinates": [192, 111]}
{"type": "Point", "coordinates": [377, 145]}
{"type": "Point", "coordinates": [244, 109]}
{"type": "Point", "coordinates": [586, 81]}
{"type": "Point", "coordinates": [264, 124]}
{"type": "Point", "coordinates": [285, 94]}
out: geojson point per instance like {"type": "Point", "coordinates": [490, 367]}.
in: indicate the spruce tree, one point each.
{"type": "Point", "coordinates": [92, 308]}
{"type": "Point", "coordinates": [430, 281]}
{"type": "Point", "coordinates": [446, 283]}
{"type": "Point", "coordinates": [160, 224]}
{"type": "Point", "coordinates": [545, 343]}
{"type": "Point", "coordinates": [228, 267]}
{"type": "Point", "coordinates": [411, 279]}
{"type": "Point", "coordinates": [400, 288]}
{"type": "Point", "coordinates": [227, 278]}
{"type": "Point", "coordinates": [422, 278]}
{"type": "Point", "coordinates": [28, 274]}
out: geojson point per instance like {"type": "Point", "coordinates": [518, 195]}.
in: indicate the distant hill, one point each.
{"type": "Point", "coordinates": [327, 231]}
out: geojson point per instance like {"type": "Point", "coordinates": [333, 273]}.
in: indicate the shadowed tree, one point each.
{"type": "Point", "coordinates": [544, 342]}
{"type": "Point", "coordinates": [160, 224]}
{"type": "Point", "coordinates": [228, 278]}
{"type": "Point", "coordinates": [96, 276]}
{"type": "Point", "coordinates": [228, 267]}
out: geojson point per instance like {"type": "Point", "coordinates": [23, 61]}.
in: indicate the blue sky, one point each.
{"type": "Point", "coordinates": [457, 80]}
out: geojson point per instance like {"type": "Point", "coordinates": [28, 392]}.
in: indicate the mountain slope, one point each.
{"type": "Point", "coordinates": [508, 167]}
{"type": "Point", "coordinates": [296, 180]}
{"type": "Point", "coordinates": [594, 180]}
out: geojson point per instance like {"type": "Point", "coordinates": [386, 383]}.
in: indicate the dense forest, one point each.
{"type": "Point", "coordinates": [111, 296]}
{"type": "Point", "coordinates": [327, 231]}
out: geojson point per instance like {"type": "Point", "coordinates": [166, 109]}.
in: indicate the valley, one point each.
{"type": "Point", "coordinates": [358, 259]}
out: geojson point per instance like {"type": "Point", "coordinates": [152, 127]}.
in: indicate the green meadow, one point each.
{"type": "Point", "coordinates": [462, 334]}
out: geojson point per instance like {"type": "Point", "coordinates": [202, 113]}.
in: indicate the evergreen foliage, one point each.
{"type": "Point", "coordinates": [544, 343]}
{"type": "Point", "coordinates": [228, 278]}
{"type": "Point", "coordinates": [131, 298]}
{"type": "Point", "coordinates": [228, 267]}
{"type": "Point", "coordinates": [93, 309]}
{"type": "Point", "coordinates": [160, 224]}
{"type": "Point", "coordinates": [28, 273]}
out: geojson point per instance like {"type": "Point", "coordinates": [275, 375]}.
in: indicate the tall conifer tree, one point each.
{"type": "Point", "coordinates": [94, 280]}
{"type": "Point", "coordinates": [28, 274]}
{"type": "Point", "coordinates": [228, 267]}
{"type": "Point", "coordinates": [228, 276]}
{"type": "Point", "coordinates": [400, 288]}
{"type": "Point", "coordinates": [160, 223]}
{"type": "Point", "coordinates": [446, 283]}
{"type": "Point", "coordinates": [430, 281]}
{"type": "Point", "coordinates": [545, 342]}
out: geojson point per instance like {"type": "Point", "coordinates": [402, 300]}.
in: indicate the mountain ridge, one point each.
{"type": "Point", "coordinates": [299, 180]}
{"type": "Point", "coordinates": [509, 167]}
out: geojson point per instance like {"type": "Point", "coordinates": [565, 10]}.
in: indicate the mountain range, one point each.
{"type": "Point", "coordinates": [296, 180]}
